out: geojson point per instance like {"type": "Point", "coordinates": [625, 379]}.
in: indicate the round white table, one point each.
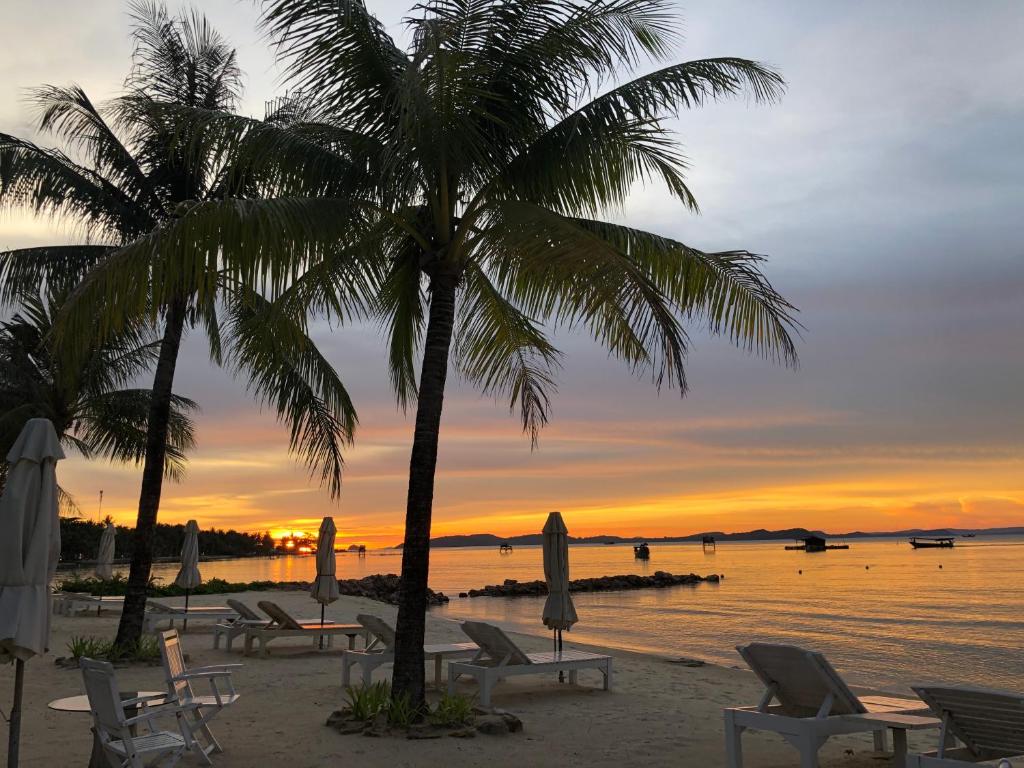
{"type": "Point", "coordinates": [80, 704]}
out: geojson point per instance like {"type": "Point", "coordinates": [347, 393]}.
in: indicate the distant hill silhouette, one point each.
{"type": "Point", "coordinates": [760, 534]}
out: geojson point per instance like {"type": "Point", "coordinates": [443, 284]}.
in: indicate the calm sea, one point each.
{"type": "Point", "coordinates": [884, 613]}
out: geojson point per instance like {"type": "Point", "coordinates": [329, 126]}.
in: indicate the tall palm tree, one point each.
{"type": "Point", "coordinates": [456, 186]}
{"type": "Point", "coordinates": [138, 172]}
{"type": "Point", "coordinates": [94, 408]}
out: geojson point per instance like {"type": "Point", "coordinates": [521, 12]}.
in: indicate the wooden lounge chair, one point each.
{"type": "Point", "coordinates": [74, 603]}
{"type": "Point", "coordinates": [988, 723]}
{"type": "Point", "coordinates": [118, 735]}
{"type": "Point", "coordinates": [199, 709]}
{"type": "Point", "coordinates": [283, 625]}
{"type": "Point", "coordinates": [499, 657]}
{"type": "Point", "coordinates": [247, 617]}
{"type": "Point", "coordinates": [157, 613]}
{"type": "Point", "coordinates": [814, 703]}
{"type": "Point", "coordinates": [381, 650]}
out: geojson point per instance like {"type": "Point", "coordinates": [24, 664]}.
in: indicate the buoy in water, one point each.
{"type": "Point", "coordinates": [800, 572]}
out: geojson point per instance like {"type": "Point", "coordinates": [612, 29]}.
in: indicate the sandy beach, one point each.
{"type": "Point", "coordinates": [658, 714]}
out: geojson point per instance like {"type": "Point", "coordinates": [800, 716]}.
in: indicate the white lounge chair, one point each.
{"type": "Point", "coordinates": [814, 703]}
{"type": "Point", "coordinates": [499, 657]}
{"type": "Point", "coordinates": [199, 710]}
{"type": "Point", "coordinates": [157, 613]}
{"type": "Point", "coordinates": [74, 603]}
{"type": "Point", "coordinates": [247, 617]}
{"type": "Point", "coordinates": [117, 734]}
{"type": "Point", "coordinates": [381, 650]}
{"type": "Point", "coordinates": [989, 724]}
{"type": "Point", "coordinates": [283, 625]}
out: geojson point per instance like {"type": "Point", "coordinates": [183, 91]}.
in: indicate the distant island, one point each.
{"type": "Point", "coordinates": [761, 534]}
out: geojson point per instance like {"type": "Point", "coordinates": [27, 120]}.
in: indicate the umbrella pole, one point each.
{"type": "Point", "coordinates": [322, 609]}
{"type": "Point", "coordinates": [15, 733]}
{"type": "Point", "coordinates": [184, 623]}
{"type": "Point", "coordinates": [561, 673]}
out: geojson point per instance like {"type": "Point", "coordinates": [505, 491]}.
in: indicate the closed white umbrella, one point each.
{"type": "Point", "coordinates": [105, 556]}
{"type": "Point", "coordinates": [188, 577]}
{"type": "Point", "coordinates": [325, 587]}
{"type": "Point", "coordinates": [29, 552]}
{"type": "Point", "coordinates": [559, 612]}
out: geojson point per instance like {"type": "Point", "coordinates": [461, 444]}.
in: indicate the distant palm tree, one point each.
{"type": "Point", "coordinates": [137, 173]}
{"type": "Point", "coordinates": [454, 187]}
{"type": "Point", "coordinates": [93, 406]}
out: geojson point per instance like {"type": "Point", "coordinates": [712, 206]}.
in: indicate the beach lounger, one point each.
{"type": "Point", "coordinates": [199, 710]}
{"type": "Point", "coordinates": [247, 617]}
{"type": "Point", "coordinates": [814, 703]}
{"type": "Point", "coordinates": [499, 657]}
{"type": "Point", "coordinates": [157, 613]}
{"type": "Point", "coordinates": [283, 625]}
{"type": "Point", "coordinates": [988, 723]}
{"type": "Point", "coordinates": [119, 736]}
{"type": "Point", "coordinates": [74, 603]}
{"type": "Point", "coordinates": [381, 650]}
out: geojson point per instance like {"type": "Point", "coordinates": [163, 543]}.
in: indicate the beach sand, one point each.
{"type": "Point", "coordinates": [658, 714]}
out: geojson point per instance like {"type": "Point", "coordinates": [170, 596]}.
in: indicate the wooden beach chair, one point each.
{"type": "Point", "coordinates": [199, 709]}
{"type": "Point", "coordinates": [118, 735]}
{"type": "Point", "coordinates": [283, 625]}
{"type": "Point", "coordinates": [157, 613]}
{"type": "Point", "coordinates": [988, 723]}
{"type": "Point", "coordinates": [381, 650]}
{"type": "Point", "coordinates": [247, 617]}
{"type": "Point", "coordinates": [814, 703]}
{"type": "Point", "coordinates": [499, 657]}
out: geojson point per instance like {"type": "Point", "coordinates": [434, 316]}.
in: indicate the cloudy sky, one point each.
{"type": "Point", "coordinates": [887, 188]}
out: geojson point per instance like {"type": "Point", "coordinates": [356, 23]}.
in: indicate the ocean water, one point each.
{"type": "Point", "coordinates": [885, 614]}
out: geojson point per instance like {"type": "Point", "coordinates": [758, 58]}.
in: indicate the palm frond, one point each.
{"type": "Point", "coordinates": [284, 369]}
{"type": "Point", "coordinates": [504, 352]}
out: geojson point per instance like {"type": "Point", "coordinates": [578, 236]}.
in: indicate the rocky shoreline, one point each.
{"type": "Point", "coordinates": [384, 588]}
{"type": "Point", "coordinates": [658, 580]}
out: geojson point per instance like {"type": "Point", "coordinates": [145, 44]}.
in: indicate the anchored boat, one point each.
{"type": "Point", "coordinates": [931, 542]}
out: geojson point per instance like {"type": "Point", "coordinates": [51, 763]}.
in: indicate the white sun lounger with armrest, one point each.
{"type": "Point", "coordinates": [814, 703]}
{"type": "Point", "coordinates": [247, 617]}
{"type": "Point", "coordinates": [157, 613]}
{"type": "Point", "coordinates": [499, 657]}
{"type": "Point", "coordinates": [381, 650]}
{"type": "Point", "coordinates": [283, 625]}
{"type": "Point", "coordinates": [988, 723]}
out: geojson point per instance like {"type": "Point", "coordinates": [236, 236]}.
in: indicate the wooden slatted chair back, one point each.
{"type": "Point", "coordinates": [380, 628]}
{"type": "Point", "coordinates": [279, 615]}
{"type": "Point", "coordinates": [803, 682]}
{"type": "Point", "coordinates": [494, 642]}
{"type": "Point", "coordinates": [989, 722]}
{"type": "Point", "coordinates": [104, 698]}
{"type": "Point", "coordinates": [243, 610]}
{"type": "Point", "coordinates": [174, 664]}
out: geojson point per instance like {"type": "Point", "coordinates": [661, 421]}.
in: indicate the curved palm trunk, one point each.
{"type": "Point", "coordinates": [130, 629]}
{"type": "Point", "coordinates": [412, 606]}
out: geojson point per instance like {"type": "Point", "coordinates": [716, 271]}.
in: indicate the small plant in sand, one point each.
{"type": "Point", "coordinates": [146, 650]}
{"type": "Point", "coordinates": [367, 701]}
{"type": "Point", "coordinates": [402, 713]}
{"type": "Point", "coordinates": [452, 711]}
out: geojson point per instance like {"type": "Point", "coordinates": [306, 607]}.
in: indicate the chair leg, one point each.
{"type": "Point", "coordinates": [809, 746]}
{"type": "Point", "coordinates": [881, 744]}
{"type": "Point", "coordinates": [899, 747]}
{"type": "Point", "coordinates": [608, 675]}
{"type": "Point", "coordinates": [367, 674]}
{"type": "Point", "coordinates": [452, 677]}
{"type": "Point", "coordinates": [733, 741]}
{"type": "Point", "coordinates": [573, 676]}
{"type": "Point", "coordinates": [346, 670]}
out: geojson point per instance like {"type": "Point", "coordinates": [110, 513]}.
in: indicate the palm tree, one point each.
{"type": "Point", "coordinates": [456, 186]}
{"type": "Point", "coordinates": [137, 173]}
{"type": "Point", "coordinates": [94, 409]}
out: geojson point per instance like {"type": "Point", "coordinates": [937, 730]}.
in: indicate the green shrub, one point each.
{"type": "Point", "coordinates": [401, 711]}
{"type": "Point", "coordinates": [366, 702]}
{"type": "Point", "coordinates": [146, 650]}
{"type": "Point", "coordinates": [119, 585]}
{"type": "Point", "coordinates": [452, 711]}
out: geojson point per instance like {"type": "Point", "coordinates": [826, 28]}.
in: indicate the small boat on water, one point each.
{"type": "Point", "coordinates": [816, 544]}
{"type": "Point", "coordinates": [931, 542]}
{"type": "Point", "coordinates": [968, 535]}
{"type": "Point", "coordinates": [642, 552]}
{"type": "Point", "coordinates": [505, 548]}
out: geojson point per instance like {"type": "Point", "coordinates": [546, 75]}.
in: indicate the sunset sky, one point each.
{"type": "Point", "coordinates": [887, 188]}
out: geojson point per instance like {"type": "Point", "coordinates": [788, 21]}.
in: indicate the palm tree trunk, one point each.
{"type": "Point", "coordinates": [130, 629]}
{"type": "Point", "coordinates": [408, 672]}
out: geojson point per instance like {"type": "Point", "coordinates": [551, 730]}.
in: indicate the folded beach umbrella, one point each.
{"type": "Point", "coordinates": [559, 612]}
{"type": "Point", "coordinates": [325, 587]}
{"type": "Point", "coordinates": [188, 577]}
{"type": "Point", "coordinates": [105, 556]}
{"type": "Point", "coordinates": [29, 552]}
